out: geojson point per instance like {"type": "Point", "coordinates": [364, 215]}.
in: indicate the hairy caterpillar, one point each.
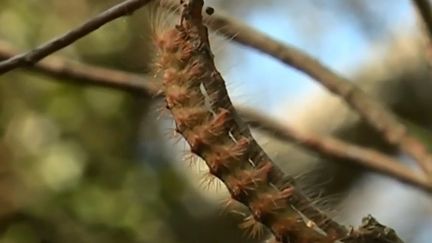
{"type": "Point", "coordinates": [196, 95]}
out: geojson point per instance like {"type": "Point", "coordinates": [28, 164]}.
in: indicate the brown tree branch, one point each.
{"type": "Point", "coordinates": [31, 57]}
{"type": "Point", "coordinates": [424, 10]}
{"type": "Point", "coordinates": [334, 148]}
{"type": "Point", "coordinates": [369, 109]}
{"type": "Point", "coordinates": [329, 147]}
{"type": "Point", "coordinates": [76, 73]}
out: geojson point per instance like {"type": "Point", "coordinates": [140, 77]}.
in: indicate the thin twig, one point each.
{"type": "Point", "coordinates": [334, 148]}
{"type": "Point", "coordinates": [372, 111]}
{"type": "Point", "coordinates": [76, 73]}
{"type": "Point", "coordinates": [425, 12]}
{"type": "Point", "coordinates": [80, 74]}
{"type": "Point", "coordinates": [33, 56]}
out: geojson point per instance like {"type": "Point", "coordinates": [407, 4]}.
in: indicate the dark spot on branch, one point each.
{"type": "Point", "coordinates": [209, 10]}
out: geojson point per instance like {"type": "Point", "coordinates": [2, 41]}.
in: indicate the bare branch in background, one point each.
{"type": "Point", "coordinates": [334, 148]}
{"type": "Point", "coordinates": [33, 56]}
{"type": "Point", "coordinates": [325, 146]}
{"type": "Point", "coordinates": [85, 74]}
{"type": "Point", "coordinates": [424, 10]}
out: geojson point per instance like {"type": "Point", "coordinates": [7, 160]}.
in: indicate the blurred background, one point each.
{"type": "Point", "coordinates": [91, 164]}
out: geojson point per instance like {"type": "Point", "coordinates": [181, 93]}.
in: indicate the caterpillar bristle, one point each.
{"type": "Point", "coordinates": [192, 161]}
{"type": "Point", "coordinates": [269, 203]}
{"type": "Point", "coordinates": [172, 134]}
{"type": "Point", "coordinates": [209, 181]}
{"type": "Point", "coordinates": [161, 16]}
{"type": "Point", "coordinates": [162, 111]}
{"type": "Point", "coordinates": [252, 227]}
{"type": "Point", "coordinates": [229, 204]}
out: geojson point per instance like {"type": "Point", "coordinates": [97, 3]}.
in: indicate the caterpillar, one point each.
{"type": "Point", "coordinates": [196, 96]}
